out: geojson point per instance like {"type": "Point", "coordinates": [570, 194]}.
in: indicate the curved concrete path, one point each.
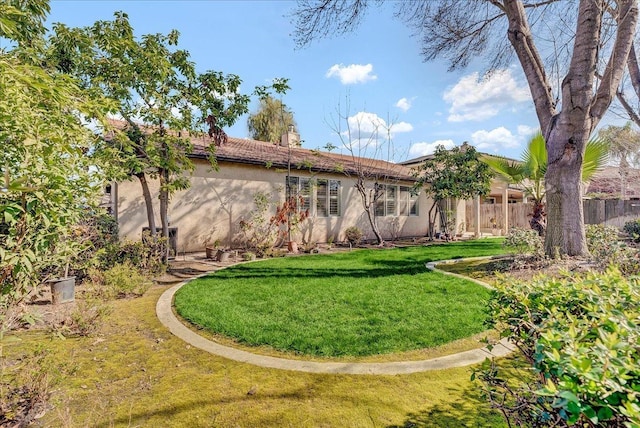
{"type": "Point", "coordinates": [461, 359]}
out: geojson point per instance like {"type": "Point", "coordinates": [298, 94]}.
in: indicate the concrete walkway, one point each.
{"type": "Point", "coordinates": [169, 320]}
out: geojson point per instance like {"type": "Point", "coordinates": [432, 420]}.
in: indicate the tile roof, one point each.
{"type": "Point", "coordinates": [253, 152]}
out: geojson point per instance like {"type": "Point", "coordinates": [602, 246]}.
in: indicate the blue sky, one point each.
{"type": "Point", "coordinates": [377, 69]}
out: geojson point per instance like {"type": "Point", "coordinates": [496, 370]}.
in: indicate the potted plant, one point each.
{"type": "Point", "coordinates": [494, 227]}
{"type": "Point", "coordinates": [64, 252]}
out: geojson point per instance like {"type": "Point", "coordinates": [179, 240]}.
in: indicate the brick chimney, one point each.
{"type": "Point", "coordinates": [290, 138]}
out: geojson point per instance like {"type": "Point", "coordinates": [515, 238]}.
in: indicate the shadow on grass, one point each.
{"type": "Point", "coordinates": [359, 264]}
{"type": "Point", "coordinates": [469, 411]}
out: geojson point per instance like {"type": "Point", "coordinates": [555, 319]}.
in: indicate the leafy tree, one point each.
{"type": "Point", "coordinates": [160, 96]}
{"type": "Point", "coordinates": [624, 145]}
{"type": "Point", "coordinates": [22, 21]}
{"type": "Point", "coordinates": [452, 174]}
{"type": "Point", "coordinates": [271, 121]}
{"type": "Point", "coordinates": [530, 172]}
{"type": "Point", "coordinates": [598, 46]}
{"type": "Point", "coordinates": [47, 183]}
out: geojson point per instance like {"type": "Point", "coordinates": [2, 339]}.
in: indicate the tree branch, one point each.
{"type": "Point", "coordinates": [627, 20]}
{"type": "Point", "coordinates": [519, 34]}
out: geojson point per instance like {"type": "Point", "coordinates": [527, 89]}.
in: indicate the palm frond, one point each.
{"type": "Point", "coordinates": [510, 171]}
{"type": "Point", "coordinates": [595, 157]}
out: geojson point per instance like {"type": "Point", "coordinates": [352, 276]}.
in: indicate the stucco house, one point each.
{"type": "Point", "coordinates": [475, 216]}
{"type": "Point", "coordinates": [211, 209]}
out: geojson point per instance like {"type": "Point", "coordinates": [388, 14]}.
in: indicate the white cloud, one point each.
{"type": "Point", "coordinates": [526, 131]}
{"type": "Point", "coordinates": [404, 104]}
{"type": "Point", "coordinates": [474, 98]}
{"type": "Point", "coordinates": [423, 149]}
{"type": "Point", "coordinates": [494, 140]}
{"type": "Point", "coordinates": [370, 124]}
{"type": "Point", "coordinates": [368, 131]}
{"type": "Point", "coordinates": [401, 127]}
{"type": "Point", "coordinates": [350, 74]}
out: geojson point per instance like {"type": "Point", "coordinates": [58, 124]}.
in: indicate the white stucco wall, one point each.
{"type": "Point", "coordinates": [213, 206]}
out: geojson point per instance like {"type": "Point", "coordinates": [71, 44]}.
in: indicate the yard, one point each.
{"type": "Point", "coordinates": [354, 304]}
{"type": "Point", "coordinates": [133, 372]}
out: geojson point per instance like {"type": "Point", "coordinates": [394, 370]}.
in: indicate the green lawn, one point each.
{"type": "Point", "coordinates": [360, 303]}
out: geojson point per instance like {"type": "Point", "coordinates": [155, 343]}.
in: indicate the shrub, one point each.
{"type": "Point", "coordinates": [146, 255]}
{"type": "Point", "coordinates": [121, 280]}
{"type": "Point", "coordinates": [353, 234]}
{"type": "Point", "coordinates": [632, 228]}
{"type": "Point", "coordinates": [525, 242]}
{"type": "Point", "coordinates": [606, 249]}
{"type": "Point", "coordinates": [580, 334]}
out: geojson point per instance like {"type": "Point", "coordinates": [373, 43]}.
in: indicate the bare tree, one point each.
{"type": "Point", "coordinates": [600, 33]}
{"type": "Point", "coordinates": [365, 137]}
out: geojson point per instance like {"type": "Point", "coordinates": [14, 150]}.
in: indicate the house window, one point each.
{"type": "Point", "coordinates": [489, 200]}
{"type": "Point", "coordinates": [391, 195]}
{"type": "Point", "coordinates": [301, 189]}
{"type": "Point", "coordinates": [327, 198]}
{"type": "Point", "coordinates": [327, 195]}
{"type": "Point", "coordinates": [408, 201]}
{"type": "Point", "coordinates": [393, 199]}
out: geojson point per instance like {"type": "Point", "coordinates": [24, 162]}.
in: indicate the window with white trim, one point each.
{"type": "Point", "coordinates": [327, 195]}
{"type": "Point", "coordinates": [408, 201]}
{"type": "Point", "coordinates": [396, 200]}
{"type": "Point", "coordinates": [300, 187]}
{"type": "Point", "coordinates": [327, 198]}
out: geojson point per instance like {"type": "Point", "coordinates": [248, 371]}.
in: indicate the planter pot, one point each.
{"type": "Point", "coordinates": [63, 290]}
{"type": "Point", "coordinates": [223, 256]}
{"type": "Point", "coordinates": [292, 246]}
{"type": "Point", "coordinates": [210, 252]}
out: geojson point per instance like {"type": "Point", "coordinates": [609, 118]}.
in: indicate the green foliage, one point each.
{"type": "Point", "coordinates": [607, 250]}
{"type": "Point", "coordinates": [452, 174]}
{"type": "Point", "coordinates": [360, 302]}
{"type": "Point", "coordinates": [154, 82]}
{"type": "Point", "coordinates": [121, 280]}
{"type": "Point", "coordinates": [47, 185]}
{"type": "Point", "coordinates": [525, 242]}
{"type": "Point", "coordinates": [632, 228]}
{"type": "Point", "coordinates": [270, 121]}
{"type": "Point", "coordinates": [580, 334]}
{"type": "Point", "coordinates": [145, 255]}
{"type": "Point", "coordinates": [353, 234]}
{"type": "Point", "coordinates": [455, 173]}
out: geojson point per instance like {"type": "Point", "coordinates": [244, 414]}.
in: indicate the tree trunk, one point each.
{"type": "Point", "coordinates": [432, 219]}
{"type": "Point", "coordinates": [164, 207]}
{"type": "Point", "coordinates": [368, 198]}
{"type": "Point", "coordinates": [565, 220]}
{"type": "Point", "coordinates": [151, 219]}
{"type": "Point", "coordinates": [374, 226]}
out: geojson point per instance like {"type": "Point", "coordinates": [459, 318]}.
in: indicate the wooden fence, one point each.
{"type": "Point", "coordinates": [518, 215]}
{"type": "Point", "coordinates": [612, 212]}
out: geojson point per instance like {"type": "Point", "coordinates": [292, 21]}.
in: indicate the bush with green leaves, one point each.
{"type": "Point", "coordinates": [580, 335]}
{"type": "Point", "coordinates": [524, 242]}
{"type": "Point", "coordinates": [353, 235]}
{"type": "Point", "coordinates": [607, 249]}
{"type": "Point", "coordinates": [145, 255]}
{"type": "Point", "coordinates": [121, 280]}
{"type": "Point", "coordinates": [632, 228]}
